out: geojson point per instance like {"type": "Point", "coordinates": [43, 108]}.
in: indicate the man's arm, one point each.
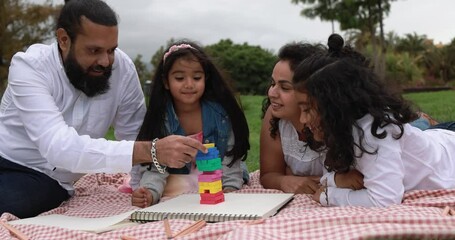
{"type": "Point", "coordinates": [172, 151]}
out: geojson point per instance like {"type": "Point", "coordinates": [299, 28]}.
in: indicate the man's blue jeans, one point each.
{"type": "Point", "coordinates": [25, 192]}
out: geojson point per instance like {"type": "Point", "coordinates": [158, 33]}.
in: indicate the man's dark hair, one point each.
{"type": "Point", "coordinates": [96, 11]}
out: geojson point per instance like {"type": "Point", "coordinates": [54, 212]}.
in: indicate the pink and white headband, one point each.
{"type": "Point", "coordinates": [174, 48]}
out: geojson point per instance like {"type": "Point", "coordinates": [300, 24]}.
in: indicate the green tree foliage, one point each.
{"type": "Point", "coordinates": [22, 24]}
{"type": "Point", "coordinates": [405, 68]}
{"type": "Point", "coordinates": [402, 69]}
{"type": "Point", "coordinates": [156, 58]}
{"type": "Point", "coordinates": [142, 71]}
{"type": "Point", "coordinates": [391, 40]}
{"type": "Point", "coordinates": [439, 62]}
{"type": "Point", "coordinates": [450, 61]}
{"type": "Point", "coordinates": [414, 44]}
{"type": "Point", "coordinates": [364, 15]}
{"type": "Point", "coordinates": [248, 66]}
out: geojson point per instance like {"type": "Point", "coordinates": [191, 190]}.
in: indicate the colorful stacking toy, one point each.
{"type": "Point", "coordinates": [210, 185]}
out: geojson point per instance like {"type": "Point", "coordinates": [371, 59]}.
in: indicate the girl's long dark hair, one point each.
{"type": "Point", "coordinates": [216, 89]}
{"type": "Point", "coordinates": [343, 89]}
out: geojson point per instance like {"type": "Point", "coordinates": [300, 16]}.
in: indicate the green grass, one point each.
{"type": "Point", "coordinates": [252, 106]}
{"type": "Point", "coordinates": [110, 134]}
{"type": "Point", "coordinates": [439, 105]}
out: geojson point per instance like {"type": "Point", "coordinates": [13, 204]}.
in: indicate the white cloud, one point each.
{"type": "Point", "coordinates": [146, 25]}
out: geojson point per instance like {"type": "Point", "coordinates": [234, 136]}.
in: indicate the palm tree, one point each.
{"type": "Point", "coordinates": [391, 41]}
{"type": "Point", "coordinates": [413, 43]}
{"type": "Point", "coordinates": [439, 62]}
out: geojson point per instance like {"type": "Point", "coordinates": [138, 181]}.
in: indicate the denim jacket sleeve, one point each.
{"type": "Point", "coordinates": [232, 176]}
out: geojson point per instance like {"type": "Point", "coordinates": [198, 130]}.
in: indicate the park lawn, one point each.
{"type": "Point", "coordinates": [440, 105]}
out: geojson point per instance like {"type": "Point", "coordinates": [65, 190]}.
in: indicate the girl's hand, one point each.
{"type": "Point", "coordinates": [317, 194]}
{"type": "Point", "coordinates": [352, 179]}
{"type": "Point", "coordinates": [141, 197]}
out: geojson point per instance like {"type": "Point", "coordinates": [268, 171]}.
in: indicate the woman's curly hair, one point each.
{"type": "Point", "coordinates": [294, 53]}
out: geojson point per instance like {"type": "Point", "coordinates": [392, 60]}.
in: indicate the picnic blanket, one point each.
{"type": "Point", "coordinates": [419, 216]}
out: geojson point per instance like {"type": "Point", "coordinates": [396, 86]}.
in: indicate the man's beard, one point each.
{"type": "Point", "coordinates": [90, 85]}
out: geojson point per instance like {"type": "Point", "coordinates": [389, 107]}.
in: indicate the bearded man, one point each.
{"type": "Point", "coordinates": [60, 102]}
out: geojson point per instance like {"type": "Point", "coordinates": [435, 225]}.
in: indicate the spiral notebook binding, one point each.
{"type": "Point", "coordinates": [143, 217]}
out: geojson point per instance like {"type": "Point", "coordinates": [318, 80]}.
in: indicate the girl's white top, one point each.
{"type": "Point", "coordinates": [418, 160]}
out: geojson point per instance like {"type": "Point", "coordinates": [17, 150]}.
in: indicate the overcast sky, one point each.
{"type": "Point", "coordinates": [145, 25]}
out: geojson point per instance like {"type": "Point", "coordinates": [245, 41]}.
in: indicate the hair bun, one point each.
{"type": "Point", "coordinates": [335, 43]}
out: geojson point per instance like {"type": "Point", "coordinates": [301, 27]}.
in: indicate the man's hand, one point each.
{"type": "Point", "coordinates": [175, 151]}
{"type": "Point", "coordinates": [298, 184]}
{"type": "Point", "coordinates": [352, 179]}
{"type": "Point", "coordinates": [141, 197]}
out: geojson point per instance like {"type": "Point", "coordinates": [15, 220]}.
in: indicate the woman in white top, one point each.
{"type": "Point", "coordinates": [351, 116]}
{"type": "Point", "coordinates": [285, 163]}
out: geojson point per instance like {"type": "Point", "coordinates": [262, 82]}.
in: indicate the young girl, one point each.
{"type": "Point", "coordinates": [190, 97]}
{"type": "Point", "coordinates": [349, 114]}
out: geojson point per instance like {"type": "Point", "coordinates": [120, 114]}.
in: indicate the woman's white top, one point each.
{"type": "Point", "coordinates": [301, 159]}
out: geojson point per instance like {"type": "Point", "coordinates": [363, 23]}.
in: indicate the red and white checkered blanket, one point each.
{"type": "Point", "coordinates": [418, 217]}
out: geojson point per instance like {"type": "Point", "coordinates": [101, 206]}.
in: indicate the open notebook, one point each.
{"type": "Point", "coordinates": [237, 206]}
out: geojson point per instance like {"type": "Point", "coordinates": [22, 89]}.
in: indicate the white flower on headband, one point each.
{"type": "Point", "coordinates": [174, 48]}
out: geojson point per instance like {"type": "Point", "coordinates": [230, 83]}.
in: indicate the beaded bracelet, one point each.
{"type": "Point", "coordinates": [160, 169]}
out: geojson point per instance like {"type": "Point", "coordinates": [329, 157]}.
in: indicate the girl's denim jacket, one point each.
{"type": "Point", "coordinates": [216, 129]}
{"type": "Point", "coordinates": [215, 124]}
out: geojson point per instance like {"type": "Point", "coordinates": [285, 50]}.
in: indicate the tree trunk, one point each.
{"type": "Point", "coordinates": [381, 61]}
{"type": "Point", "coordinates": [445, 68]}
{"type": "Point", "coordinates": [372, 30]}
